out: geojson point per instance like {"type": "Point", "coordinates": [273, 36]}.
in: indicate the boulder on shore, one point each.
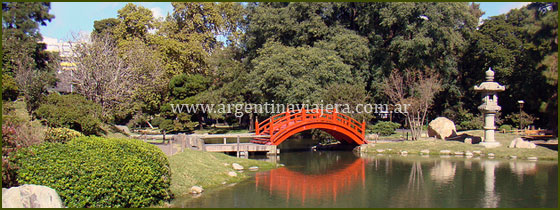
{"type": "Point", "coordinates": [444, 152]}
{"type": "Point", "coordinates": [442, 128]}
{"type": "Point", "coordinates": [30, 196]}
{"type": "Point", "coordinates": [237, 166]}
{"type": "Point", "coordinates": [372, 137]}
{"type": "Point", "coordinates": [196, 190]}
{"type": "Point", "coordinates": [520, 143]}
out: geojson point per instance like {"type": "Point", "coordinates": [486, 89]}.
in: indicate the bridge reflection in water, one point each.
{"type": "Point", "coordinates": [293, 184]}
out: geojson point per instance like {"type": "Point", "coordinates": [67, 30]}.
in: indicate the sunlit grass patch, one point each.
{"type": "Point", "coordinates": [436, 145]}
{"type": "Point", "coordinates": [207, 169]}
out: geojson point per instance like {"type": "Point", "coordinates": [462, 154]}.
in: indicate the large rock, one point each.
{"type": "Point", "coordinates": [196, 190]}
{"type": "Point", "coordinates": [444, 152]}
{"type": "Point", "coordinates": [372, 137]}
{"type": "Point", "coordinates": [30, 196]}
{"type": "Point", "coordinates": [442, 128]}
{"type": "Point", "coordinates": [236, 166]}
{"type": "Point", "coordinates": [520, 143]}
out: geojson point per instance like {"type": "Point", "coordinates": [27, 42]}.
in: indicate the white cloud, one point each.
{"type": "Point", "coordinates": [513, 5]}
{"type": "Point", "coordinates": [157, 12]}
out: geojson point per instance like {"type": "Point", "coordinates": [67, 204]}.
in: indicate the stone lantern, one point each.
{"type": "Point", "coordinates": [489, 107]}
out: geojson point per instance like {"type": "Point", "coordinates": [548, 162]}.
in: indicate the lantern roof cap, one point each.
{"type": "Point", "coordinates": [489, 85]}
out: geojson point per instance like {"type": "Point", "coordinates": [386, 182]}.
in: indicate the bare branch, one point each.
{"type": "Point", "coordinates": [415, 88]}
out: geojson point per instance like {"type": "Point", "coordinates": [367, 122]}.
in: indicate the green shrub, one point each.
{"type": "Point", "coordinates": [524, 118]}
{"type": "Point", "coordinates": [166, 125]}
{"type": "Point", "coordinates": [384, 128]}
{"type": "Point", "coordinates": [471, 123]}
{"type": "Point", "coordinates": [9, 88]}
{"type": "Point", "coordinates": [61, 135]}
{"type": "Point", "coordinates": [156, 122]}
{"type": "Point", "coordinates": [71, 111]}
{"type": "Point", "coordinates": [506, 127]}
{"type": "Point", "coordinates": [217, 131]}
{"type": "Point", "coordinates": [138, 121]}
{"type": "Point", "coordinates": [183, 123]}
{"type": "Point", "coordinates": [465, 120]}
{"type": "Point", "coordinates": [182, 86]}
{"type": "Point", "coordinates": [98, 172]}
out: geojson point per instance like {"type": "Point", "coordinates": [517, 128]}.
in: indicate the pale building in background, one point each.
{"type": "Point", "coordinates": [65, 71]}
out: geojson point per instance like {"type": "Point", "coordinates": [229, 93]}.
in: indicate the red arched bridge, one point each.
{"type": "Point", "coordinates": [281, 126]}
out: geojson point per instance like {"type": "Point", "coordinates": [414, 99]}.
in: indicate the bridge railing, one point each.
{"type": "Point", "coordinates": [274, 124]}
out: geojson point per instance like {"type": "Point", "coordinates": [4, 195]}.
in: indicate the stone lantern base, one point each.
{"type": "Point", "coordinates": [490, 144]}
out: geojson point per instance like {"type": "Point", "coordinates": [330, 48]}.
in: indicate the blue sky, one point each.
{"type": "Point", "coordinates": [498, 8]}
{"type": "Point", "coordinates": [77, 17]}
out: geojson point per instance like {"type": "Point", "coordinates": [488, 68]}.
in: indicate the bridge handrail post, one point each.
{"type": "Point", "coordinates": [271, 123]}
{"type": "Point", "coordinates": [303, 114]}
{"type": "Point", "coordinates": [287, 115]}
{"type": "Point", "coordinates": [257, 126]}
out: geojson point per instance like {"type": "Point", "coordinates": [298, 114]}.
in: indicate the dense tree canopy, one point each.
{"type": "Point", "coordinates": [23, 57]}
{"type": "Point", "coordinates": [304, 52]}
{"type": "Point", "coordinates": [296, 74]}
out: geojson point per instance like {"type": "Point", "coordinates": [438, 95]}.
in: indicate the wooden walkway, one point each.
{"type": "Point", "coordinates": [242, 148]}
{"type": "Point", "coordinates": [180, 142]}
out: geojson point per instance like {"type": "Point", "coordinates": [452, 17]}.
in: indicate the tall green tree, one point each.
{"type": "Point", "coordinates": [415, 35]}
{"type": "Point", "coordinates": [289, 45]}
{"type": "Point", "coordinates": [24, 58]}
{"type": "Point", "coordinates": [395, 36]}
{"type": "Point", "coordinates": [521, 46]}
{"type": "Point", "coordinates": [289, 23]}
{"type": "Point", "coordinates": [133, 35]}
{"type": "Point", "coordinates": [189, 34]}
{"type": "Point", "coordinates": [296, 74]}
{"type": "Point", "coordinates": [135, 22]}
{"type": "Point", "coordinates": [105, 25]}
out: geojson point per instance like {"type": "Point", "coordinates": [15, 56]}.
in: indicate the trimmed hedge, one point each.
{"type": "Point", "coordinates": [98, 172]}
{"type": "Point", "coordinates": [71, 111]}
{"type": "Point", "coordinates": [61, 135]}
{"type": "Point", "coordinates": [506, 127]}
{"type": "Point", "coordinates": [385, 128]}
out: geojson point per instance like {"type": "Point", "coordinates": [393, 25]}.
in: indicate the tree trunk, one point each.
{"type": "Point", "coordinates": [251, 121]}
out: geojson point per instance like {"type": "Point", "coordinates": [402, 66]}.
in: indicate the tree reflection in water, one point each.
{"type": "Point", "coordinates": [340, 179]}
{"type": "Point", "coordinates": [416, 178]}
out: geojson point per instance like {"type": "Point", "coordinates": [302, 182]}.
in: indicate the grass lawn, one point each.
{"type": "Point", "coordinates": [435, 146]}
{"type": "Point", "coordinates": [20, 113]}
{"type": "Point", "coordinates": [207, 170]}
{"type": "Point", "coordinates": [395, 136]}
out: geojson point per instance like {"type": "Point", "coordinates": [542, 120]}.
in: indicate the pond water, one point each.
{"type": "Point", "coordinates": [346, 179]}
